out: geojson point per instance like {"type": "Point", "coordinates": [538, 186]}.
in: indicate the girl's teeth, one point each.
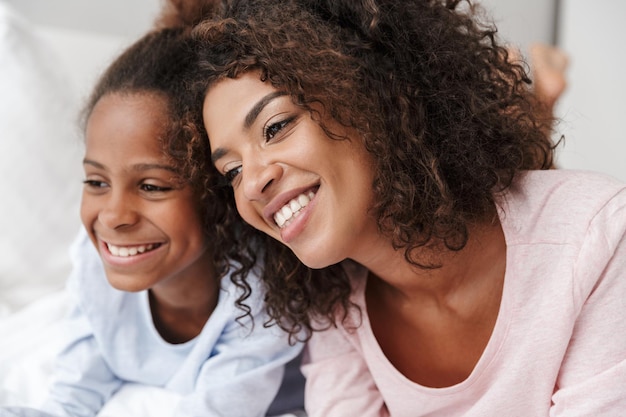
{"type": "Point", "coordinates": [292, 209]}
{"type": "Point", "coordinates": [126, 251]}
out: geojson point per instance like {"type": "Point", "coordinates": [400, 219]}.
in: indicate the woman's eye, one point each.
{"type": "Point", "coordinates": [231, 174]}
{"type": "Point", "coordinates": [151, 188]}
{"type": "Point", "coordinates": [272, 130]}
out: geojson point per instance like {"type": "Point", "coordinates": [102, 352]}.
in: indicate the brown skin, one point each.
{"type": "Point", "coordinates": [181, 316]}
{"type": "Point", "coordinates": [435, 331]}
{"type": "Point", "coordinates": [133, 198]}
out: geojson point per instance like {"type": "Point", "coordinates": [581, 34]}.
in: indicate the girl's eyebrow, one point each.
{"type": "Point", "coordinates": [92, 162]}
{"type": "Point", "coordinates": [136, 167]}
{"type": "Point", "coordinates": [147, 167]}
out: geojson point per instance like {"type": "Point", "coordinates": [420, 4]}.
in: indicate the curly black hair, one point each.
{"type": "Point", "coordinates": [430, 90]}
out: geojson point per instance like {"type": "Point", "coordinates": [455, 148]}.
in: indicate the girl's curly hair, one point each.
{"type": "Point", "coordinates": [429, 89]}
{"type": "Point", "coordinates": [157, 65]}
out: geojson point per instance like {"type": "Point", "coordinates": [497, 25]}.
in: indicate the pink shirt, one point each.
{"type": "Point", "coordinates": [558, 347]}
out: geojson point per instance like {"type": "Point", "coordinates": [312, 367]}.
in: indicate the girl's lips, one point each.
{"type": "Point", "coordinates": [125, 255]}
{"type": "Point", "coordinates": [130, 250]}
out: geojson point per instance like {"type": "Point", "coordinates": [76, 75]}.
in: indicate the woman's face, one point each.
{"type": "Point", "coordinates": [290, 179]}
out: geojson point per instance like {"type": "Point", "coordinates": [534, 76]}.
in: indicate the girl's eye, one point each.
{"type": "Point", "coordinates": [272, 130]}
{"type": "Point", "coordinates": [151, 188]}
{"type": "Point", "coordinates": [231, 174]}
{"type": "Point", "coordinates": [95, 184]}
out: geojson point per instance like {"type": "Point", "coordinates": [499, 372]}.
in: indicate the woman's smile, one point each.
{"type": "Point", "coordinates": [291, 180]}
{"type": "Point", "coordinates": [291, 210]}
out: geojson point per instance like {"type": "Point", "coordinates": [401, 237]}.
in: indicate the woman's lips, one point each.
{"type": "Point", "coordinates": [291, 210]}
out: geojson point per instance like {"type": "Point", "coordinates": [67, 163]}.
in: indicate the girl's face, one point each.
{"type": "Point", "coordinates": [290, 179]}
{"type": "Point", "coordinates": [143, 222]}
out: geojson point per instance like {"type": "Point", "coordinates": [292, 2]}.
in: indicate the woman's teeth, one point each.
{"type": "Point", "coordinates": [291, 210]}
{"type": "Point", "coordinates": [125, 251]}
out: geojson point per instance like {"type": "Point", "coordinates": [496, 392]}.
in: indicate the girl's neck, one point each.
{"type": "Point", "coordinates": [182, 305]}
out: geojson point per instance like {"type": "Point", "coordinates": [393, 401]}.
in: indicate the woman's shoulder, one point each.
{"type": "Point", "coordinates": [578, 192]}
{"type": "Point", "coordinates": [558, 204]}
{"type": "Point", "coordinates": [563, 183]}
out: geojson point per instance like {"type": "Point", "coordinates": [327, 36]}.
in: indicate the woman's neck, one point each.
{"type": "Point", "coordinates": [434, 324]}
{"type": "Point", "coordinates": [483, 256]}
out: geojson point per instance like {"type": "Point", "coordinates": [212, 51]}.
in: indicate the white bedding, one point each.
{"type": "Point", "coordinates": [29, 341]}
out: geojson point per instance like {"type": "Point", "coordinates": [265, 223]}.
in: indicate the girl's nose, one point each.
{"type": "Point", "coordinates": [258, 179]}
{"type": "Point", "coordinates": [118, 212]}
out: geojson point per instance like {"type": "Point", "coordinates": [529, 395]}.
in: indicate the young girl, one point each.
{"type": "Point", "coordinates": [162, 294]}
{"type": "Point", "coordinates": [398, 139]}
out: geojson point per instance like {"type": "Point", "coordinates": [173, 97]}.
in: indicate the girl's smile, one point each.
{"type": "Point", "coordinates": [143, 220]}
{"type": "Point", "coordinates": [123, 256]}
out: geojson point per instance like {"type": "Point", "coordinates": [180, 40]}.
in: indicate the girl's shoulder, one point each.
{"type": "Point", "coordinates": [88, 285]}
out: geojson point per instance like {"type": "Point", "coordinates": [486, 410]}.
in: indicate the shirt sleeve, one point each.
{"type": "Point", "coordinates": [592, 379]}
{"type": "Point", "coordinates": [338, 381]}
{"type": "Point", "coordinates": [245, 370]}
{"type": "Point", "coordinates": [82, 382]}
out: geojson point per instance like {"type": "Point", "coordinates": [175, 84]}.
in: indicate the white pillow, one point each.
{"type": "Point", "coordinates": [40, 168]}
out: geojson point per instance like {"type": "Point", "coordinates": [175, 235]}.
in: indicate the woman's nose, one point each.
{"type": "Point", "coordinates": [119, 211]}
{"type": "Point", "coordinates": [258, 179]}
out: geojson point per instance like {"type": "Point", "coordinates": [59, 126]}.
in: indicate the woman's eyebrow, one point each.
{"type": "Point", "coordinates": [259, 106]}
{"type": "Point", "coordinates": [217, 154]}
{"type": "Point", "coordinates": [249, 119]}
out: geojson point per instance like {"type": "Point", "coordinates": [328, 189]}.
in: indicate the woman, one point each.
{"type": "Point", "coordinates": [393, 146]}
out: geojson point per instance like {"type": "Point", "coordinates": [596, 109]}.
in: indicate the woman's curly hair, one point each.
{"type": "Point", "coordinates": [157, 65]}
{"type": "Point", "coordinates": [428, 88]}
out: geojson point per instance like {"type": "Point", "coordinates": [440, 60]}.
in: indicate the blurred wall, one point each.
{"type": "Point", "coordinates": [108, 17]}
{"type": "Point", "coordinates": [594, 106]}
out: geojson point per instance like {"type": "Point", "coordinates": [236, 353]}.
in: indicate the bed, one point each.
{"type": "Point", "coordinates": [42, 86]}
